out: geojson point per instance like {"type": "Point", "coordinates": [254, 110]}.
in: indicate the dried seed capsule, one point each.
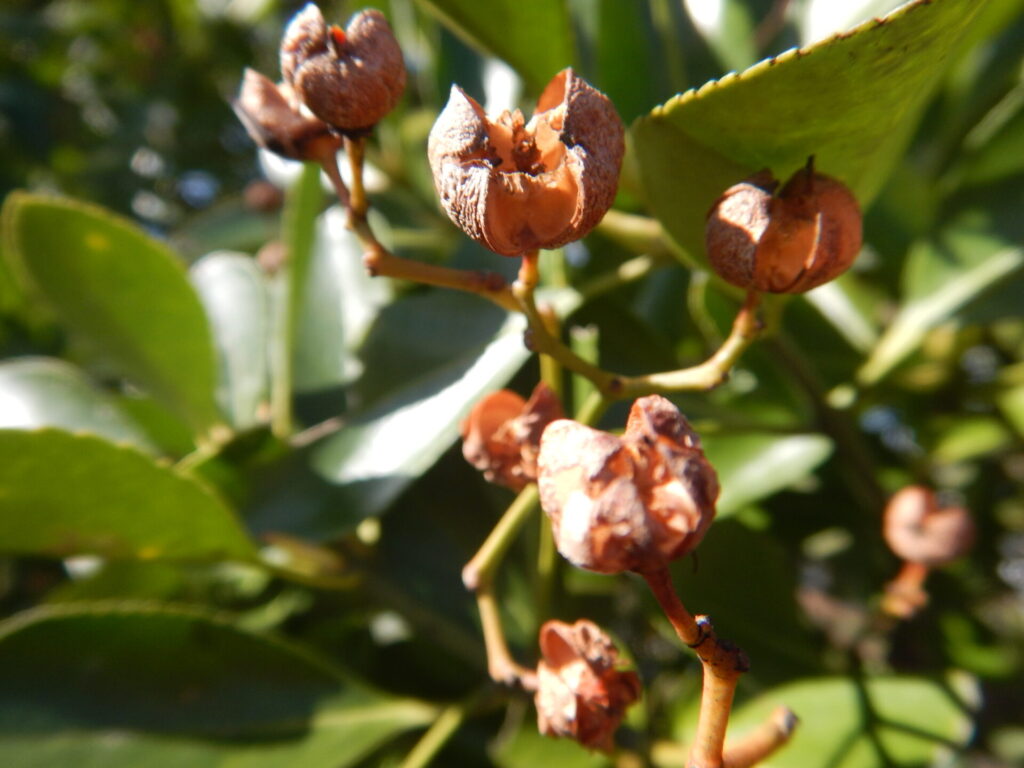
{"type": "Point", "coordinates": [501, 434]}
{"type": "Point", "coordinates": [920, 531]}
{"type": "Point", "coordinates": [632, 503]}
{"type": "Point", "coordinates": [348, 78]}
{"type": "Point", "coordinates": [807, 234]}
{"type": "Point", "coordinates": [581, 693]}
{"type": "Point", "coordinates": [515, 186]}
{"type": "Point", "coordinates": [276, 121]}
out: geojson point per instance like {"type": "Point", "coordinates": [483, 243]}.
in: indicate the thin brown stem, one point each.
{"type": "Point", "coordinates": [763, 740]}
{"type": "Point", "coordinates": [500, 664]}
{"type": "Point", "coordinates": [905, 595]}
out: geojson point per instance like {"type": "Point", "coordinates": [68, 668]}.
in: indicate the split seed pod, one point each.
{"type": "Point", "coordinates": [790, 242]}
{"type": "Point", "coordinates": [277, 121]}
{"type": "Point", "coordinates": [920, 531]}
{"type": "Point", "coordinates": [515, 186]}
{"type": "Point", "coordinates": [581, 694]}
{"type": "Point", "coordinates": [501, 434]}
{"type": "Point", "coordinates": [630, 503]}
{"type": "Point", "coordinates": [348, 78]}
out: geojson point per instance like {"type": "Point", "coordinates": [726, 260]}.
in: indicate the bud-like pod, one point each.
{"type": "Point", "coordinates": [348, 78]}
{"type": "Point", "coordinates": [790, 242]}
{"type": "Point", "coordinates": [581, 692]}
{"type": "Point", "coordinates": [630, 503]}
{"type": "Point", "coordinates": [515, 186]}
{"type": "Point", "coordinates": [921, 532]}
{"type": "Point", "coordinates": [501, 435]}
{"type": "Point", "coordinates": [276, 121]}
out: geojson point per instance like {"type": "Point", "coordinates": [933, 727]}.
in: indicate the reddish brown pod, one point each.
{"type": "Point", "coordinates": [921, 531]}
{"type": "Point", "coordinates": [790, 242]}
{"type": "Point", "coordinates": [630, 503]}
{"type": "Point", "coordinates": [350, 78]}
{"type": "Point", "coordinates": [582, 693]}
{"type": "Point", "coordinates": [501, 435]}
{"type": "Point", "coordinates": [516, 186]}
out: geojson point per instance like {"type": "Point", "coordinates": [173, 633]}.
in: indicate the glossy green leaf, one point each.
{"type": "Point", "coordinates": [232, 288]}
{"type": "Point", "coordinates": [381, 450]}
{"type": "Point", "coordinates": [533, 36]}
{"type": "Point", "coordinates": [161, 687]}
{"type": "Point", "coordinates": [123, 292]}
{"type": "Point", "coordinates": [912, 720]}
{"type": "Point", "coordinates": [753, 466]}
{"type": "Point", "coordinates": [939, 279]}
{"type": "Point", "coordinates": [852, 101]}
{"type": "Point", "coordinates": [64, 494]}
{"type": "Point", "coordinates": [45, 392]}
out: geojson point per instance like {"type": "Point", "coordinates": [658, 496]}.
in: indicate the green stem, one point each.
{"type": "Point", "coordinates": [442, 729]}
{"type": "Point", "coordinates": [480, 570]}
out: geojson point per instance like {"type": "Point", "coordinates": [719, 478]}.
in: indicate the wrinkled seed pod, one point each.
{"type": "Point", "coordinates": [632, 503]}
{"type": "Point", "coordinates": [582, 694]}
{"type": "Point", "coordinates": [276, 121]}
{"type": "Point", "coordinates": [919, 531]}
{"type": "Point", "coordinates": [790, 242]}
{"type": "Point", "coordinates": [515, 186]}
{"type": "Point", "coordinates": [348, 78]}
{"type": "Point", "coordinates": [501, 434]}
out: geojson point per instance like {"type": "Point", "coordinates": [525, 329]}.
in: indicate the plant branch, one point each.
{"type": "Point", "coordinates": [442, 729]}
{"type": "Point", "coordinates": [479, 571]}
{"type": "Point", "coordinates": [500, 664]}
{"type": "Point", "coordinates": [763, 740]}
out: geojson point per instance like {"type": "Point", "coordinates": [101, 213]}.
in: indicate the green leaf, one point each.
{"type": "Point", "coordinates": [44, 392]}
{"type": "Point", "coordinates": [915, 721]}
{"type": "Point", "coordinates": [939, 279]}
{"type": "Point", "coordinates": [533, 36]}
{"type": "Point", "coordinates": [753, 466]}
{"type": "Point", "coordinates": [232, 288]}
{"type": "Point", "coordinates": [157, 686]}
{"type": "Point", "coordinates": [852, 101]}
{"type": "Point", "coordinates": [120, 290]}
{"type": "Point", "coordinates": [63, 494]}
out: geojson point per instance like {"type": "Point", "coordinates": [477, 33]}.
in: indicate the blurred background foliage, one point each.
{"type": "Point", "coordinates": [184, 584]}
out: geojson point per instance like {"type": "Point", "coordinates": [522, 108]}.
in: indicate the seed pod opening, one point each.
{"type": "Point", "coordinates": [630, 503]}
{"type": "Point", "coordinates": [348, 78]}
{"type": "Point", "coordinates": [277, 121]}
{"type": "Point", "coordinates": [516, 186]}
{"type": "Point", "coordinates": [582, 693]}
{"type": "Point", "coordinates": [920, 531]}
{"type": "Point", "coordinates": [790, 242]}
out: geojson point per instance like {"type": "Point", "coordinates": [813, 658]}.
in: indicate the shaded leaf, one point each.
{"type": "Point", "coordinates": [852, 101]}
{"type": "Point", "coordinates": [63, 494]}
{"type": "Point", "coordinates": [157, 686]}
{"type": "Point", "coordinates": [533, 36]}
{"type": "Point", "coordinates": [45, 392]}
{"type": "Point", "coordinates": [124, 292]}
{"type": "Point", "coordinates": [917, 721]}
{"type": "Point", "coordinates": [751, 467]}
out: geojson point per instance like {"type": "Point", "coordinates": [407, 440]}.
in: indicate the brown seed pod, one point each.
{"type": "Point", "coordinates": [501, 434]}
{"type": "Point", "coordinates": [633, 503]}
{"type": "Point", "coordinates": [582, 694]}
{"type": "Point", "coordinates": [515, 186]}
{"type": "Point", "coordinates": [919, 531]}
{"type": "Point", "coordinates": [277, 121]}
{"type": "Point", "coordinates": [790, 242]}
{"type": "Point", "coordinates": [348, 78]}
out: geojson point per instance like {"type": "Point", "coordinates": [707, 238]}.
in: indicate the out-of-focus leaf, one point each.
{"type": "Point", "coordinates": [165, 687]}
{"type": "Point", "coordinates": [528, 749]}
{"type": "Point", "coordinates": [728, 28]}
{"type": "Point", "coordinates": [533, 36]}
{"type": "Point", "coordinates": [340, 303]}
{"type": "Point", "coordinates": [45, 392]}
{"type": "Point", "coordinates": [969, 437]}
{"type": "Point", "coordinates": [124, 292]}
{"type": "Point", "coordinates": [381, 450]}
{"type": "Point", "coordinates": [821, 18]}
{"type": "Point", "coordinates": [232, 288]}
{"type": "Point", "coordinates": [751, 467]}
{"type": "Point", "coordinates": [63, 494]}
{"type": "Point", "coordinates": [851, 101]}
{"type": "Point", "coordinates": [939, 279]}
{"type": "Point", "coordinates": [915, 719]}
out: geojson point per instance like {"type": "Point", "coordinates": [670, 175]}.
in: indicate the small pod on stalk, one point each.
{"type": "Point", "coordinates": [787, 242]}
{"type": "Point", "coordinates": [350, 78]}
{"type": "Point", "coordinates": [630, 503]}
{"type": "Point", "coordinates": [921, 531]}
{"type": "Point", "coordinates": [517, 186]}
{"type": "Point", "coordinates": [582, 694]}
